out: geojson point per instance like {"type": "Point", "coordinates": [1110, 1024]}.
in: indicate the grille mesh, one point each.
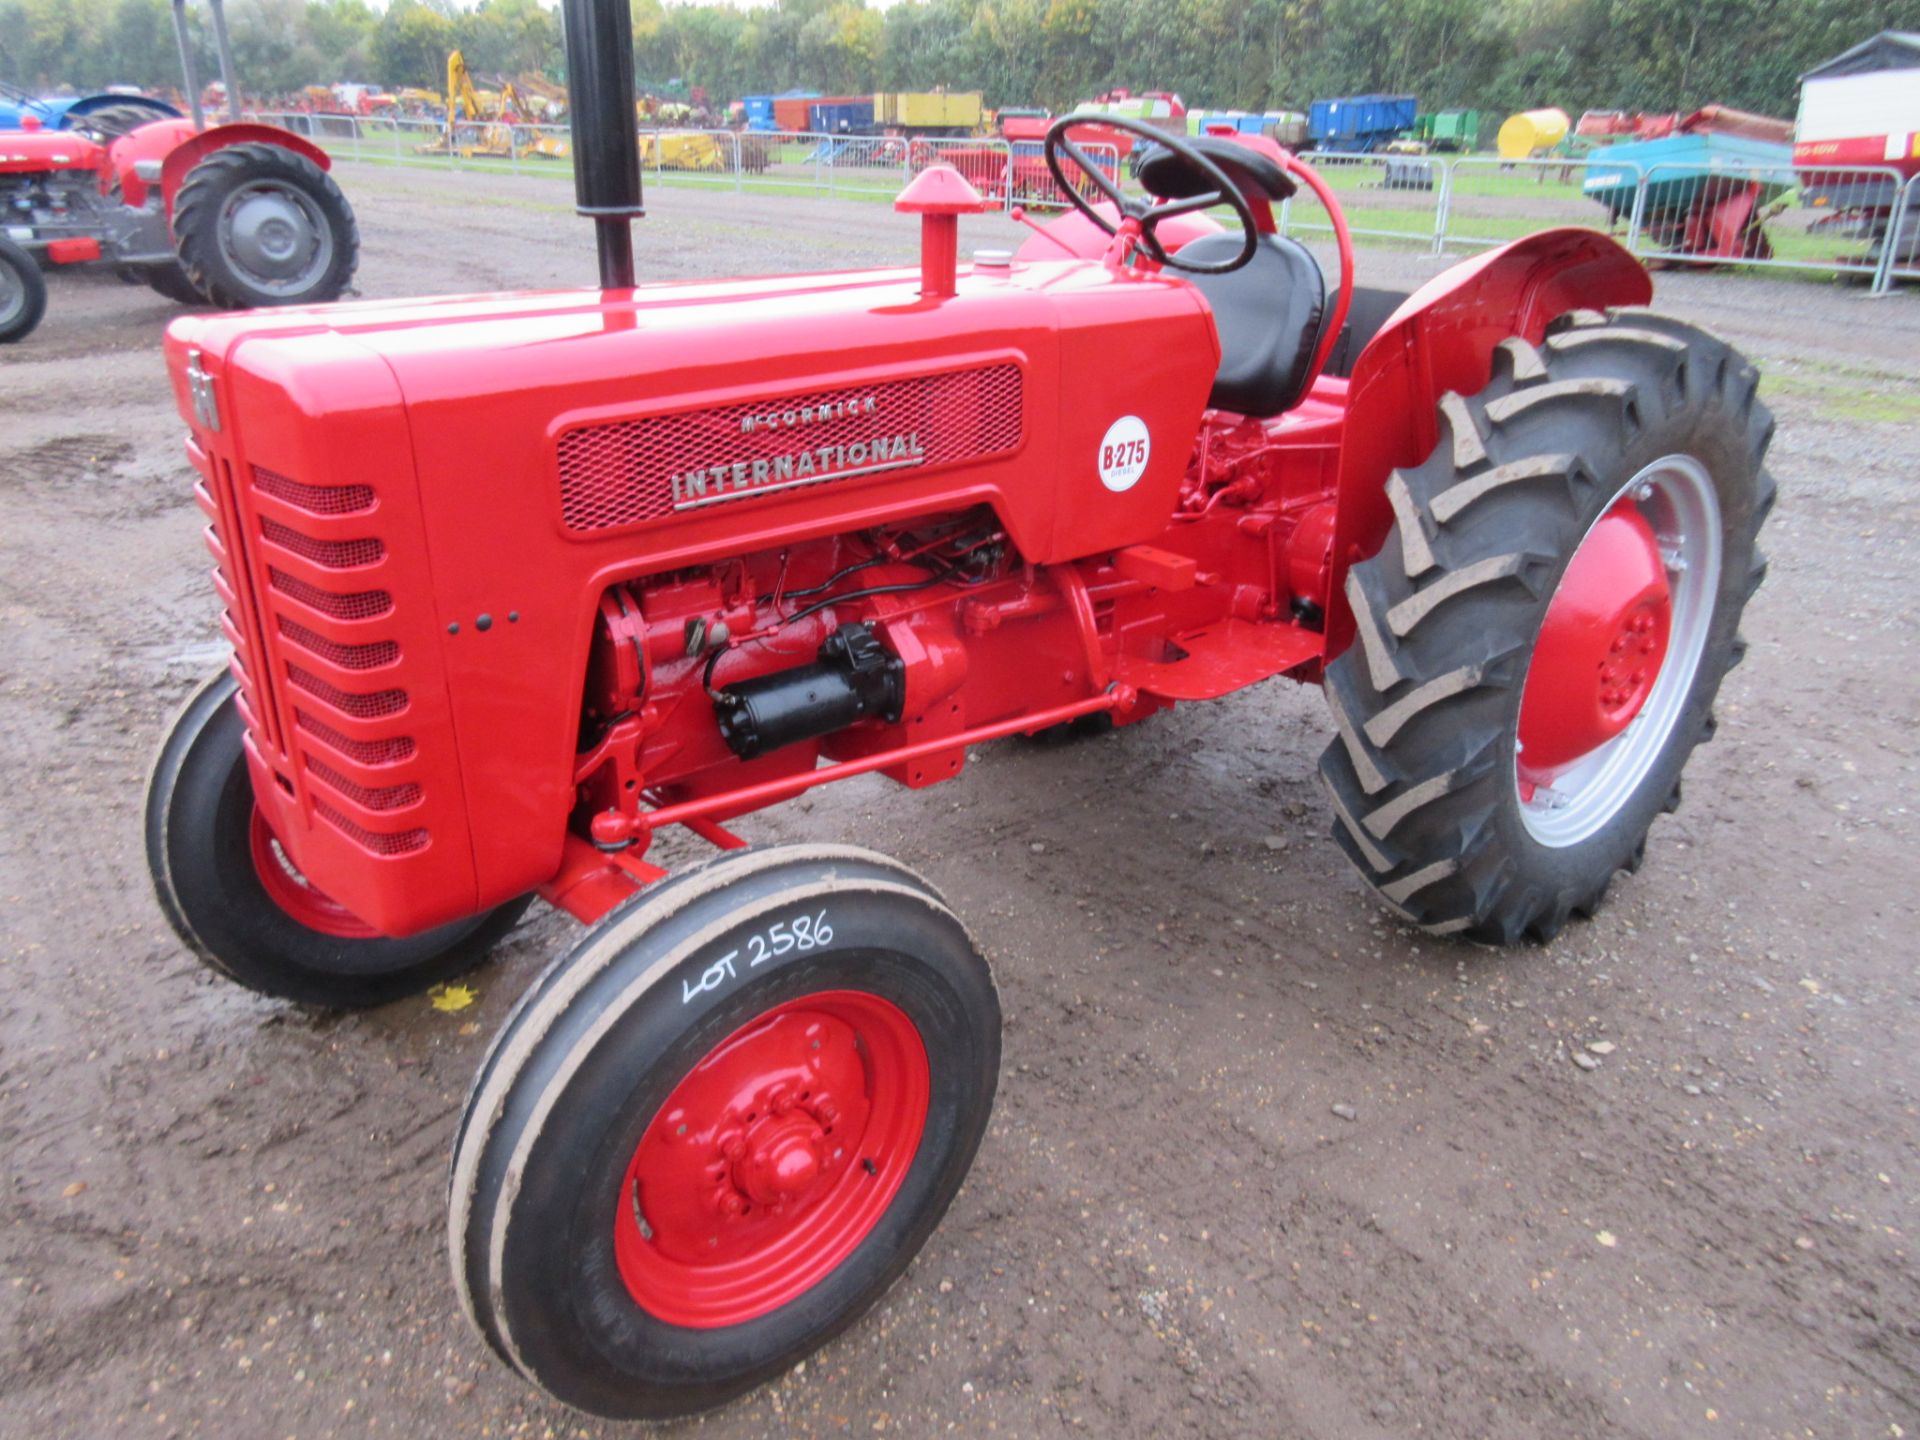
{"type": "Point", "coordinates": [382, 797]}
{"type": "Point", "coordinates": [623, 473]}
{"type": "Point", "coordinates": [336, 652]}
{"type": "Point", "coordinates": [366, 752]}
{"type": "Point", "coordinates": [376, 706]}
{"type": "Point", "coordinates": [403, 842]}
{"type": "Point", "coordinates": [361, 605]}
{"type": "Point", "coordinates": [315, 499]}
{"type": "Point", "coordinates": [333, 554]}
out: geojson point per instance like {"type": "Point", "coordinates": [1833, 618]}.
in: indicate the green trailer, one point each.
{"type": "Point", "coordinates": [1449, 130]}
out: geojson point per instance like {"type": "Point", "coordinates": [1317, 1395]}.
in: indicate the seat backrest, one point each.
{"type": "Point", "coordinates": [1269, 314]}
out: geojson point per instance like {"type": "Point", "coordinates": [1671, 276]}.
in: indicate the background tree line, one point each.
{"type": "Point", "coordinates": [1497, 55]}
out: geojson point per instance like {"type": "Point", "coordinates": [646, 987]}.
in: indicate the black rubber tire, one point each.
{"type": "Point", "coordinates": [198, 813]}
{"type": "Point", "coordinates": [196, 221]}
{"type": "Point", "coordinates": [599, 1041]}
{"type": "Point", "coordinates": [172, 281]}
{"type": "Point", "coordinates": [110, 122]}
{"type": "Point", "coordinates": [25, 272]}
{"type": "Point", "coordinates": [1427, 699]}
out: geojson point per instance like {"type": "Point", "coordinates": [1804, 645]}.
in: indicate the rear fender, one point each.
{"type": "Point", "coordinates": [184, 157]}
{"type": "Point", "coordinates": [1443, 339]}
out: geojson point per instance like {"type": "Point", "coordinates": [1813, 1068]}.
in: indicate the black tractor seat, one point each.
{"type": "Point", "coordinates": [1270, 312]}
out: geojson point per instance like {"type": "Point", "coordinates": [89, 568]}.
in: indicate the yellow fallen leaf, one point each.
{"type": "Point", "coordinates": [452, 997]}
{"type": "Point", "coordinates": [78, 1187]}
{"type": "Point", "coordinates": [1605, 1237]}
{"type": "Point", "coordinates": [470, 1028]}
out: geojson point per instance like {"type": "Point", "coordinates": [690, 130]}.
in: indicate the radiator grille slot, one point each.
{"type": "Point", "coordinates": [315, 499]}
{"type": "Point", "coordinates": [360, 605]}
{"type": "Point", "coordinates": [365, 752]}
{"type": "Point", "coordinates": [402, 842]}
{"type": "Point", "coordinates": [631, 471]}
{"type": "Point", "coordinates": [368, 797]}
{"type": "Point", "coordinates": [333, 554]}
{"type": "Point", "coordinates": [337, 652]}
{"type": "Point", "coordinates": [376, 706]}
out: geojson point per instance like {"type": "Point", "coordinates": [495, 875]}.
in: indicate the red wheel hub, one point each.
{"type": "Point", "coordinates": [772, 1160]}
{"type": "Point", "coordinates": [298, 896]}
{"type": "Point", "coordinates": [1600, 648]}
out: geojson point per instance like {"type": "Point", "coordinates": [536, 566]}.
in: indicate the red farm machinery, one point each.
{"type": "Point", "coordinates": [235, 215]}
{"type": "Point", "coordinates": [497, 626]}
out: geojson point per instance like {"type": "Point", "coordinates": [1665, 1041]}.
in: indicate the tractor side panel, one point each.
{"type": "Point", "coordinates": [560, 455]}
{"type": "Point", "coordinates": [1443, 338]}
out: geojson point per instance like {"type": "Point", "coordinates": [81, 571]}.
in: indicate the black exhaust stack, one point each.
{"type": "Point", "coordinates": [606, 142]}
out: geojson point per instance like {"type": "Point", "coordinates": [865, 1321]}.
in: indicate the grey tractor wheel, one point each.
{"type": "Point", "coordinates": [1587, 523]}
{"type": "Point", "coordinates": [172, 281]}
{"type": "Point", "coordinates": [23, 292]}
{"type": "Point", "coordinates": [110, 122]}
{"type": "Point", "coordinates": [258, 225]}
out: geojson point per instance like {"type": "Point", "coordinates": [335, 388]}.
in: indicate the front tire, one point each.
{"type": "Point", "coordinates": [23, 292]}
{"type": "Point", "coordinates": [235, 899]}
{"type": "Point", "coordinates": [712, 1137]}
{"type": "Point", "coordinates": [257, 225]}
{"type": "Point", "coordinates": [1540, 639]}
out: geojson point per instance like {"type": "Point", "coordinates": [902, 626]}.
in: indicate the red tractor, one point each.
{"type": "Point", "coordinates": [496, 626]}
{"type": "Point", "coordinates": [236, 215]}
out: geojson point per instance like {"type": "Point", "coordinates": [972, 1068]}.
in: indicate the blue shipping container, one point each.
{"type": "Point", "coordinates": [1360, 122]}
{"type": "Point", "coordinates": [759, 109]}
{"type": "Point", "coordinates": [846, 118]}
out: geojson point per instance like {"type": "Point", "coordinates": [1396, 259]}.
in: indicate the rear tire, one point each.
{"type": "Point", "coordinates": [23, 292]}
{"type": "Point", "coordinates": [258, 225]}
{"type": "Point", "coordinates": [1429, 800]}
{"type": "Point", "coordinates": [171, 280]}
{"type": "Point", "coordinates": [110, 122]}
{"type": "Point", "coordinates": [599, 1157]}
{"type": "Point", "coordinates": [208, 874]}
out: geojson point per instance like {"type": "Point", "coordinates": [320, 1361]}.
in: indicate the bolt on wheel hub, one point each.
{"type": "Point", "coordinates": [772, 1159]}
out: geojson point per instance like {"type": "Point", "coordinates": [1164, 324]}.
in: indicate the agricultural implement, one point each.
{"type": "Point", "coordinates": [1705, 183]}
{"type": "Point", "coordinates": [234, 215]}
{"type": "Point", "coordinates": [1857, 145]}
{"type": "Point", "coordinates": [497, 627]}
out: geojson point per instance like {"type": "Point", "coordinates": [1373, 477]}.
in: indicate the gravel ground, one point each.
{"type": "Point", "coordinates": [1264, 1161]}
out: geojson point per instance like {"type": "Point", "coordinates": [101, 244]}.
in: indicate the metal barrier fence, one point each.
{"type": "Point", "coordinates": [874, 165]}
{"type": "Point", "coordinates": [1859, 221]}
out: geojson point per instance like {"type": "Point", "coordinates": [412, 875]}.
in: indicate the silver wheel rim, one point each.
{"type": "Point", "coordinates": [1676, 496]}
{"type": "Point", "coordinates": [275, 238]}
{"type": "Point", "coordinates": [13, 294]}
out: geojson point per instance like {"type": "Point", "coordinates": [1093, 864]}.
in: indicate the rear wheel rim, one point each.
{"type": "Point", "coordinates": [1565, 800]}
{"type": "Point", "coordinates": [293, 893]}
{"type": "Point", "coordinates": [772, 1159]}
{"type": "Point", "coordinates": [275, 237]}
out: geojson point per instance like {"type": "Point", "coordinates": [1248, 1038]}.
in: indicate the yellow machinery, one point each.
{"type": "Point", "coordinates": [1532, 132]}
{"type": "Point", "coordinates": [682, 150]}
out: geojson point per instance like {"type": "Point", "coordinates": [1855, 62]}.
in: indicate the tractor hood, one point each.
{"type": "Point", "coordinates": [416, 505]}
{"type": "Point", "coordinates": [36, 151]}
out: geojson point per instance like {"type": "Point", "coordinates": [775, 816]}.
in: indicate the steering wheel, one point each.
{"type": "Point", "coordinates": [1146, 216]}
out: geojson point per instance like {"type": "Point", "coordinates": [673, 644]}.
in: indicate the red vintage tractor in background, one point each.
{"type": "Point", "coordinates": [496, 626]}
{"type": "Point", "coordinates": [236, 215]}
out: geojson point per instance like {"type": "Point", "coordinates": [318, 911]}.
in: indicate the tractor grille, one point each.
{"type": "Point", "coordinates": [314, 631]}
{"type": "Point", "coordinates": [633, 471]}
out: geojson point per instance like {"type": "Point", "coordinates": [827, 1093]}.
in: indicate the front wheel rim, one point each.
{"type": "Point", "coordinates": [772, 1159]}
{"type": "Point", "coordinates": [13, 294]}
{"type": "Point", "coordinates": [1565, 800]}
{"type": "Point", "coordinates": [293, 893]}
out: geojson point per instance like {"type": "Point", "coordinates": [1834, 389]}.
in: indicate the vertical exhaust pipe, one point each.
{"type": "Point", "coordinates": [187, 76]}
{"type": "Point", "coordinates": [225, 46]}
{"type": "Point", "coordinates": [606, 142]}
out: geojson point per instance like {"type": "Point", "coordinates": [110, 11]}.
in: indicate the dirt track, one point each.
{"type": "Point", "coordinates": [222, 1216]}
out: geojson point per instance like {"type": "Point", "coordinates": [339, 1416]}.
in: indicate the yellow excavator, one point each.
{"type": "Point", "coordinates": [483, 129]}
